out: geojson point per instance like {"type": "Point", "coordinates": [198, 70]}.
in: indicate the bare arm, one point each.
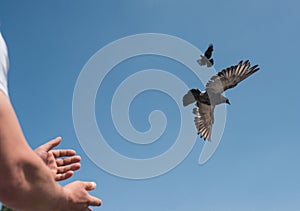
{"type": "Point", "coordinates": [25, 181]}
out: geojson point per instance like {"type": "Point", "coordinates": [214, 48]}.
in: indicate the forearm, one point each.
{"type": "Point", "coordinates": [32, 187]}
{"type": "Point", "coordinates": [25, 182]}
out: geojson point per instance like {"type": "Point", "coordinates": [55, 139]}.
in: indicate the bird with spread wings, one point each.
{"type": "Point", "coordinates": [206, 58]}
{"type": "Point", "coordinates": [212, 96]}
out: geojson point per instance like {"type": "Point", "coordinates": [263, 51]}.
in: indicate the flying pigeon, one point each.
{"type": "Point", "coordinates": [212, 96]}
{"type": "Point", "coordinates": [206, 59]}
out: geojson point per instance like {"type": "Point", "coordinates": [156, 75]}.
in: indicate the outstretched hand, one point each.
{"type": "Point", "coordinates": [62, 163]}
{"type": "Point", "coordinates": [79, 198]}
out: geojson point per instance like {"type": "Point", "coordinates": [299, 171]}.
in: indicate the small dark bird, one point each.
{"type": "Point", "coordinates": [206, 59]}
{"type": "Point", "coordinates": [212, 96]}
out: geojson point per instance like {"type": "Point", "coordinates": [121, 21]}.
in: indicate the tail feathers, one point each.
{"type": "Point", "coordinates": [191, 97]}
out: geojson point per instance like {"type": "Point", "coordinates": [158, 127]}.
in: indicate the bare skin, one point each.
{"type": "Point", "coordinates": [26, 183]}
{"type": "Point", "coordinates": [62, 163]}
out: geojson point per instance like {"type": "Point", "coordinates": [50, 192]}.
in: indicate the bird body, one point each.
{"type": "Point", "coordinates": [212, 96]}
{"type": "Point", "coordinates": [195, 95]}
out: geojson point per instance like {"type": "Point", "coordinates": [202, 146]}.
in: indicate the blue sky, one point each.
{"type": "Point", "coordinates": [256, 166]}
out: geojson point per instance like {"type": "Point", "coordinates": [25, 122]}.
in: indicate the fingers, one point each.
{"type": "Point", "coordinates": [94, 201]}
{"type": "Point", "coordinates": [63, 152]}
{"type": "Point", "coordinates": [78, 192]}
{"type": "Point", "coordinates": [64, 176]}
{"type": "Point", "coordinates": [68, 161]}
{"type": "Point", "coordinates": [64, 169]}
{"type": "Point", "coordinates": [65, 172]}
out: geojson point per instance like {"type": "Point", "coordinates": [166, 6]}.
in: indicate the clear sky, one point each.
{"type": "Point", "coordinates": [257, 163]}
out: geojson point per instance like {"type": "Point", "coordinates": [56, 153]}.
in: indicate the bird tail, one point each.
{"type": "Point", "coordinates": [192, 96]}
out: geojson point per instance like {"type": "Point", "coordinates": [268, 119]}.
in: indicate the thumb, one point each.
{"type": "Point", "coordinates": [51, 144]}
{"type": "Point", "coordinates": [51, 162]}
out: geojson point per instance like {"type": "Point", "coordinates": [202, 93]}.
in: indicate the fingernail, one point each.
{"type": "Point", "coordinates": [94, 184]}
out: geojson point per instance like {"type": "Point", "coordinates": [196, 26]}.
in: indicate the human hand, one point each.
{"type": "Point", "coordinates": [78, 197]}
{"type": "Point", "coordinates": [62, 163]}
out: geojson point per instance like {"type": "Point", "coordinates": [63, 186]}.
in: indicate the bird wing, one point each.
{"type": "Point", "coordinates": [230, 77]}
{"type": "Point", "coordinates": [210, 62]}
{"type": "Point", "coordinates": [192, 96]}
{"type": "Point", "coordinates": [209, 51]}
{"type": "Point", "coordinates": [204, 119]}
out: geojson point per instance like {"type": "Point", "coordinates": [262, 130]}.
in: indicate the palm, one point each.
{"type": "Point", "coordinates": [62, 163]}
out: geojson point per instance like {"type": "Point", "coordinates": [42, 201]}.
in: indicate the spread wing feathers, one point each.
{"type": "Point", "coordinates": [206, 59]}
{"type": "Point", "coordinates": [230, 77]}
{"type": "Point", "coordinates": [192, 96]}
{"type": "Point", "coordinates": [204, 119]}
{"type": "Point", "coordinates": [209, 51]}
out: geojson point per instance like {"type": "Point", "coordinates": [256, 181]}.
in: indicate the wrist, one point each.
{"type": "Point", "coordinates": [63, 201]}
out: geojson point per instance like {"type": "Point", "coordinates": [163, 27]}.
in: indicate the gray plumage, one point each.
{"type": "Point", "coordinates": [212, 96]}
{"type": "Point", "coordinates": [206, 58]}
